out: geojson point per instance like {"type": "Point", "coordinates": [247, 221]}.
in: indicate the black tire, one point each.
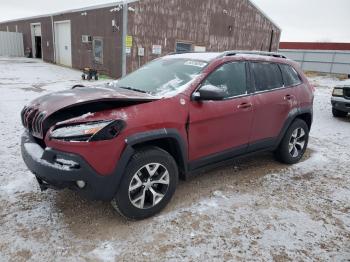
{"type": "Point", "coordinates": [284, 153]}
{"type": "Point", "coordinates": [338, 113]}
{"type": "Point", "coordinates": [122, 201]}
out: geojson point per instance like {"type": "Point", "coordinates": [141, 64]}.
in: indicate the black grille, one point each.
{"type": "Point", "coordinates": [32, 119]}
{"type": "Point", "coordinates": [347, 92]}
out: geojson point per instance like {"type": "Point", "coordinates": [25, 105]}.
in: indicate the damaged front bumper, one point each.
{"type": "Point", "coordinates": [59, 170]}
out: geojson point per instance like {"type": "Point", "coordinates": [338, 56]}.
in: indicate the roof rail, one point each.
{"type": "Point", "coordinates": [262, 53]}
{"type": "Point", "coordinates": [182, 52]}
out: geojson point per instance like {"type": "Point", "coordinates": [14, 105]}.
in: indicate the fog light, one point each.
{"type": "Point", "coordinates": [81, 184]}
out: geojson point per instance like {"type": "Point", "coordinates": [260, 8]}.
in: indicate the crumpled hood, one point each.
{"type": "Point", "coordinates": [45, 111]}
{"type": "Point", "coordinates": [83, 95]}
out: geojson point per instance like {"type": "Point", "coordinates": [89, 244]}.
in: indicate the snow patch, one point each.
{"type": "Point", "coordinates": [105, 252]}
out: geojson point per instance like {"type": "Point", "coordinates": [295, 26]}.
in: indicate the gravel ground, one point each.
{"type": "Point", "coordinates": [255, 209]}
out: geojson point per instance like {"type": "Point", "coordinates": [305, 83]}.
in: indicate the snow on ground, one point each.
{"type": "Point", "coordinates": [256, 209]}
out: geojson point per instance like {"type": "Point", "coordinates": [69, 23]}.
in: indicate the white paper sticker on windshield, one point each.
{"type": "Point", "coordinates": [195, 63]}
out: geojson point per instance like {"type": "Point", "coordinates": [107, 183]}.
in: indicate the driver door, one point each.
{"type": "Point", "coordinates": [218, 130]}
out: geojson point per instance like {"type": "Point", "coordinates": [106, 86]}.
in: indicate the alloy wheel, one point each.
{"type": "Point", "coordinates": [149, 185]}
{"type": "Point", "coordinates": [297, 142]}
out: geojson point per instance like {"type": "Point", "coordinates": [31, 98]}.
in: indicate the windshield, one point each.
{"type": "Point", "coordinates": [162, 77]}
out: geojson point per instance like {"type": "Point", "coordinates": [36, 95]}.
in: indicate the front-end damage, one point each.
{"type": "Point", "coordinates": [75, 106]}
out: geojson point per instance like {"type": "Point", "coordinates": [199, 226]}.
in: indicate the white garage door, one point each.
{"type": "Point", "coordinates": [63, 43]}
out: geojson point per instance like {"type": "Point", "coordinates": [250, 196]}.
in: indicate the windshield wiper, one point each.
{"type": "Point", "coordinates": [133, 89]}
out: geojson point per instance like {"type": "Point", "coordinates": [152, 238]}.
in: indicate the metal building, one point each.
{"type": "Point", "coordinates": [93, 36]}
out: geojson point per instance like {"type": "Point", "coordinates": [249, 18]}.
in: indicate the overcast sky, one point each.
{"type": "Point", "coordinates": [300, 20]}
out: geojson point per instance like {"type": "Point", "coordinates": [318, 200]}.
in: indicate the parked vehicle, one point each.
{"type": "Point", "coordinates": [341, 101]}
{"type": "Point", "coordinates": [130, 142]}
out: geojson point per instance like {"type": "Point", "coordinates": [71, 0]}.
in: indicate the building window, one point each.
{"type": "Point", "coordinates": [183, 47]}
{"type": "Point", "coordinates": [98, 50]}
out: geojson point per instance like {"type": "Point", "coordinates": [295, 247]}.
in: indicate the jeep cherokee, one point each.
{"type": "Point", "coordinates": [130, 141]}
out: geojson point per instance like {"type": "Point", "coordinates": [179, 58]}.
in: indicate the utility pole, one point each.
{"type": "Point", "coordinates": [125, 32]}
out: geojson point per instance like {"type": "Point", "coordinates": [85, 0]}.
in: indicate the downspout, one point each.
{"type": "Point", "coordinates": [124, 33]}
{"type": "Point", "coordinates": [271, 41]}
{"type": "Point", "coordinates": [53, 40]}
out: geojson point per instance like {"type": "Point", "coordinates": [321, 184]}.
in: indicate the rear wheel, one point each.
{"type": "Point", "coordinates": [294, 143]}
{"type": "Point", "coordinates": [338, 113]}
{"type": "Point", "coordinates": [148, 184]}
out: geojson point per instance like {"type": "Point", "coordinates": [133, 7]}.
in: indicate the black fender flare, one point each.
{"type": "Point", "coordinates": [290, 119]}
{"type": "Point", "coordinates": [148, 136]}
{"type": "Point", "coordinates": [157, 134]}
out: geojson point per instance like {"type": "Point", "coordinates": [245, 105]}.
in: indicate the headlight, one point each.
{"type": "Point", "coordinates": [94, 131]}
{"type": "Point", "coordinates": [338, 92]}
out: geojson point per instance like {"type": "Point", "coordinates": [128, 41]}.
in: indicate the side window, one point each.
{"type": "Point", "coordinates": [98, 50]}
{"type": "Point", "coordinates": [231, 77]}
{"type": "Point", "coordinates": [290, 76]}
{"type": "Point", "coordinates": [267, 76]}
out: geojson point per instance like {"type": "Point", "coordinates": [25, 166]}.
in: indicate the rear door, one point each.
{"type": "Point", "coordinates": [272, 103]}
{"type": "Point", "coordinates": [218, 128]}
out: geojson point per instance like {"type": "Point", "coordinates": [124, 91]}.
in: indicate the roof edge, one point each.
{"type": "Point", "coordinates": [88, 8]}
{"type": "Point", "coordinates": [341, 46]}
{"type": "Point", "coordinates": [264, 14]}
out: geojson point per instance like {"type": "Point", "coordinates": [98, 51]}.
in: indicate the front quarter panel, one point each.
{"type": "Point", "coordinates": [103, 156]}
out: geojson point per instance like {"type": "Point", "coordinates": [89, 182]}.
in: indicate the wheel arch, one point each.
{"type": "Point", "coordinates": [305, 114]}
{"type": "Point", "coordinates": [169, 140]}
{"type": "Point", "coordinates": [306, 117]}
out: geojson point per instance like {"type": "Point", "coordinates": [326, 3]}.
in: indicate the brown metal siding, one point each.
{"type": "Point", "coordinates": [24, 26]}
{"type": "Point", "coordinates": [97, 23]}
{"type": "Point", "coordinates": [217, 24]}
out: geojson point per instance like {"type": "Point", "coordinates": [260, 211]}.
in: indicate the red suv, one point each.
{"type": "Point", "coordinates": [130, 141]}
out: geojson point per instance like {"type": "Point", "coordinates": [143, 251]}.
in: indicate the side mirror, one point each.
{"type": "Point", "coordinates": [209, 92]}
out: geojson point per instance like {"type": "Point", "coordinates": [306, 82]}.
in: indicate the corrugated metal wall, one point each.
{"type": "Point", "coordinates": [218, 25]}
{"type": "Point", "coordinates": [215, 25]}
{"type": "Point", "coordinates": [11, 44]}
{"type": "Point", "coordinates": [97, 23]}
{"type": "Point", "coordinates": [336, 62]}
{"type": "Point", "coordinates": [24, 27]}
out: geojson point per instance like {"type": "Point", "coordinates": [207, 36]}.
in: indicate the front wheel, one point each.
{"type": "Point", "coordinates": [294, 143]}
{"type": "Point", "coordinates": [148, 184]}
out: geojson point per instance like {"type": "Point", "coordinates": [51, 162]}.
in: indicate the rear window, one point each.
{"type": "Point", "coordinates": [267, 76]}
{"type": "Point", "coordinates": [290, 76]}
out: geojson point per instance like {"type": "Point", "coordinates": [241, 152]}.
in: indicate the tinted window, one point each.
{"type": "Point", "coordinates": [290, 76]}
{"type": "Point", "coordinates": [266, 76]}
{"type": "Point", "coordinates": [231, 78]}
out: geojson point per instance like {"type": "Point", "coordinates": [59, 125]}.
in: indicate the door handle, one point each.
{"type": "Point", "coordinates": [288, 97]}
{"type": "Point", "coordinates": [244, 106]}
